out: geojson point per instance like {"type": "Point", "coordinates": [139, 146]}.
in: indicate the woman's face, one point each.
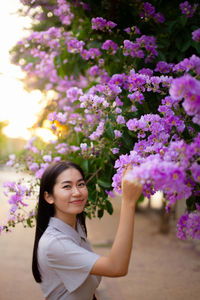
{"type": "Point", "coordinates": [69, 194]}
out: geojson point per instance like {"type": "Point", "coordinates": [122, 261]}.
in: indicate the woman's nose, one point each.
{"type": "Point", "coordinates": [75, 190]}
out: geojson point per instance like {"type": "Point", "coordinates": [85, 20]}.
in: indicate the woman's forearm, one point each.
{"type": "Point", "coordinates": [121, 250]}
{"type": "Point", "coordinates": [116, 263]}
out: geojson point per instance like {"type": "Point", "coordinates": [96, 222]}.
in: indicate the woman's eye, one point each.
{"type": "Point", "coordinates": [81, 184]}
{"type": "Point", "coordinates": [67, 186]}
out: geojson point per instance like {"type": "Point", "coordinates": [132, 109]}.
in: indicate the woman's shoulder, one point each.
{"type": "Point", "coordinates": [55, 239]}
{"type": "Point", "coordinates": [52, 245]}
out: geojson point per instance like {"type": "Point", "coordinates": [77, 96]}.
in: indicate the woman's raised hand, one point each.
{"type": "Point", "coordinates": [131, 189]}
{"type": "Point", "coordinates": [117, 262]}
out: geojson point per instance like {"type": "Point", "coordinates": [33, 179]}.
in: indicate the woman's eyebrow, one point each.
{"type": "Point", "coordinates": [68, 181]}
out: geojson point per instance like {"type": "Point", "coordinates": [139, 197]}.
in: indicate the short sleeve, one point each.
{"type": "Point", "coordinates": [71, 262]}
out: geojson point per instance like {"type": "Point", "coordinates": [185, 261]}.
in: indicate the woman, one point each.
{"type": "Point", "coordinates": [63, 262]}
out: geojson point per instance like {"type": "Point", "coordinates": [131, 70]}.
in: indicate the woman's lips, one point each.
{"type": "Point", "coordinates": [77, 201]}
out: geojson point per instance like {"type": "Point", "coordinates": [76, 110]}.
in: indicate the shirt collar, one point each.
{"type": "Point", "coordinates": [67, 229]}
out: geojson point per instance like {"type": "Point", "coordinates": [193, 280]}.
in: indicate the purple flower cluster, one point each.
{"type": "Point", "coordinates": [156, 160]}
{"type": "Point", "coordinates": [164, 67]}
{"type": "Point", "coordinates": [142, 82]}
{"type": "Point", "coordinates": [60, 117]}
{"type": "Point", "coordinates": [74, 118]}
{"type": "Point", "coordinates": [187, 88]}
{"type": "Point", "coordinates": [75, 46]}
{"type": "Point", "coordinates": [30, 145]}
{"type": "Point", "coordinates": [189, 225]}
{"type": "Point", "coordinates": [62, 148]}
{"type": "Point", "coordinates": [133, 29]}
{"type": "Point", "coordinates": [19, 193]}
{"type": "Point", "coordinates": [187, 9]}
{"type": "Point", "coordinates": [159, 171]}
{"type": "Point", "coordinates": [39, 167]}
{"type": "Point", "coordinates": [196, 35]}
{"type": "Point", "coordinates": [146, 71]}
{"type": "Point", "coordinates": [83, 147]}
{"type": "Point", "coordinates": [136, 97]}
{"type": "Point", "coordinates": [41, 170]}
{"type": "Point", "coordinates": [115, 150]}
{"type": "Point", "coordinates": [44, 66]}
{"type": "Point", "coordinates": [110, 46]}
{"type": "Point", "coordinates": [47, 158]}
{"type": "Point", "coordinates": [102, 24]}
{"type": "Point", "coordinates": [92, 53]}
{"type": "Point", "coordinates": [49, 37]}
{"type": "Point", "coordinates": [33, 167]}
{"type": "Point", "coordinates": [64, 12]}
{"type": "Point", "coordinates": [81, 3]}
{"type": "Point", "coordinates": [120, 120]}
{"type": "Point", "coordinates": [148, 12]}
{"type": "Point", "coordinates": [98, 132]}
{"type": "Point", "coordinates": [195, 170]}
{"type": "Point", "coordinates": [118, 79]}
{"type": "Point", "coordinates": [94, 71]}
{"type": "Point", "coordinates": [117, 133]}
{"type": "Point", "coordinates": [11, 161]}
{"type": "Point", "coordinates": [132, 49]}
{"type": "Point", "coordinates": [74, 93]}
{"type": "Point", "coordinates": [93, 102]}
{"type": "Point", "coordinates": [144, 45]}
{"type": "Point", "coordinates": [187, 64]}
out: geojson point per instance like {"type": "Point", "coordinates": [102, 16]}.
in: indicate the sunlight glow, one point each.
{"type": "Point", "coordinates": [45, 134]}
{"type": "Point", "coordinates": [18, 107]}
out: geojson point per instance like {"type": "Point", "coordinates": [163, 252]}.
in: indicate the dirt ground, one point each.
{"type": "Point", "coordinates": [161, 268]}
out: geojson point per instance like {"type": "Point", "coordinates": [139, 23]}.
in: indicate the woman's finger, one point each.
{"type": "Point", "coordinates": [127, 168]}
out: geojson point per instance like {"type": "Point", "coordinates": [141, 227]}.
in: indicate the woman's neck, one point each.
{"type": "Point", "coordinates": [68, 219]}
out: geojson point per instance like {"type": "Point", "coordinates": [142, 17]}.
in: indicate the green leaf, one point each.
{"type": "Point", "coordinates": [171, 25]}
{"type": "Point", "coordinates": [109, 207]}
{"type": "Point", "coordinates": [183, 20]}
{"type": "Point", "coordinates": [190, 202]}
{"type": "Point", "coordinates": [161, 56]}
{"type": "Point", "coordinates": [127, 141]}
{"type": "Point", "coordinates": [100, 213]}
{"type": "Point", "coordinates": [78, 110]}
{"type": "Point", "coordinates": [179, 42]}
{"type": "Point", "coordinates": [85, 166]}
{"type": "Point", "coordinates": [103, 183]}
{"type": "Point", "coordinates": [60, 72]}
{"type": "Point", "coordinates": [111, 117]}
{"type": "Point", "coordinates": [76, 102]}
{"type": "Point", "coordinates": [141, 199]}
{"type": "Point", "coordinates": [196, 46]}
{"type": "Point", "coordinates": [28, 221]}
{"type": "Point", "coordinates": [110, 130]}
{"type": "Point", "coordinates": [57, 60]}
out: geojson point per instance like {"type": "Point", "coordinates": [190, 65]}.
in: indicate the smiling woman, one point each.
{"type": "Point", "coordinates": [69, 196]}
{"type": "Point", "coordinates": [63, 261]}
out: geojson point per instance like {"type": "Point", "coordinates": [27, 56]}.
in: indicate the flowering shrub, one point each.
{"type": "Point", "coordinates": [123, 94]}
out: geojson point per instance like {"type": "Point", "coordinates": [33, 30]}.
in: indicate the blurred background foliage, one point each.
{"type": "Point", "coordinates": [174, 40]}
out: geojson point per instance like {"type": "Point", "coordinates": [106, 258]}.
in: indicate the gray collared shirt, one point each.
{"type": "Point", "coordinates": [65, 260]}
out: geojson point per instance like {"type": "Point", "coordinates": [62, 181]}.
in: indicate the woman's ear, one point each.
{"type": "Point", "coordinates": [48, 198]}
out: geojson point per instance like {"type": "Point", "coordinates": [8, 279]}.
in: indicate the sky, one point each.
{"type": "Point", "coordinates": [18, 106]}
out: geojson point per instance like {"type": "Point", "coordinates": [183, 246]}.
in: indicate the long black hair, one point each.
{"type": "Point", "coordinates": [45, 210]}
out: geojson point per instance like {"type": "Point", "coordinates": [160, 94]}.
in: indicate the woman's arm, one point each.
{"type": "Point", "coordinates": [117, 262]}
